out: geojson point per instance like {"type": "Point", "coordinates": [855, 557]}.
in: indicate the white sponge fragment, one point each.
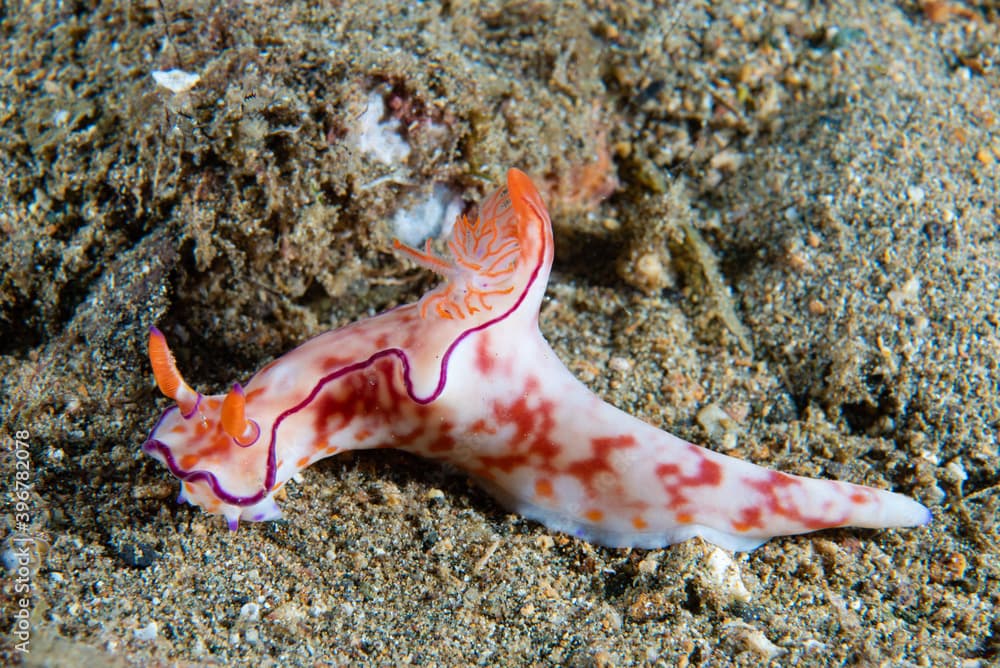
{"type": "Point", "coordinates": [380, 139]}
{"type": "Point", "coordinates": [433, 217]}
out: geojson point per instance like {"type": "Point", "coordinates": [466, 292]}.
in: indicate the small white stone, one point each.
{"type": "Point", "coordinates": [147, 632]}
{"type": "Point", "coordinates": [649, 564]}
{"type": "Point", "coordinates": [620, 364]}
{"type": "Point", "coordinates": [758, 642]}
{"type": "Point", "coordinates": [753, 639]}
{"type": "Point", "coordinates": [916, 194]}
{"type": "Point", "coordinates": [717, 423]}
{"type": "Point", "coordinates": [725, 574]}
{"type": "Point", "coordinates": [176, 81]}
{"type": "Point", "coordinates": [907, 293]}
{"type": "Point", "coordinates": [956, 469]}
{"type": "Point", "coordinates": [250, 612]}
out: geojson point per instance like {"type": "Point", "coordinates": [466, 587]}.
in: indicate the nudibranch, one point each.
{"type": "Point", "coordinates": [463, 375]}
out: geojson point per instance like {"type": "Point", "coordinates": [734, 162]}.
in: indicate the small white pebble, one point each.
{"type": "Point", "coordinates": [916, 195]}
{"type": "Point", "coordinates": [716, 422]}
{"type": "Point", "coordinates": [725, 575]}
{"type": "Point", "coordinates": [649, 564]}
{"type": "Point", "coordinates": [934, 496]}
{"type": "Point", "coordinates": [754, 640]}
{"type": "Point", "coordinates": [288, 613]}
{"type": "Point", "coordinates": [956, 469]}
{"type": "Point", "coordinates": [907, 293]}
{"type": "Point", "coordinates": [147, 632]}
{"type": "Point", "coordinates": [811, 644]}
{"type": "Point", "coordinates": [176, 81]}
{"type": "Point", "coordinates": [620, 364]}
{"type": "Point", "coordinates": [612, 618]}
{"type": "Point", "coordinates": [728, 441]}
{"type": "Point", "coordinates": [250, 612]}
{"type": "Point", "coordinates": [758, 642]}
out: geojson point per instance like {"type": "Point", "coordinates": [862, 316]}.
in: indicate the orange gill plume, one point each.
{"type": "Point", "coordinates": [484, 257]}
{"type": "Point", "coordinates": [168, 378]}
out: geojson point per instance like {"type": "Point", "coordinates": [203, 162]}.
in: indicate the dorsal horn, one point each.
{"type": "Point", "coordinates": [234, 418]}
{"type": "Point", "coordinates": [168, 378]}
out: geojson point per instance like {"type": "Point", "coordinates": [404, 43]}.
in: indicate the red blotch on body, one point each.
{"type": "Point", "coordinates": [769, 488]}
{"type": "Point", "coordinates": [332, 363]}
{"type": "Point", "coordinates": [675, 482]}
{"type": "Point", "coordinates": [215, 447]}
{"type": "Point", "coordinates": [372, 395]}
{"type": "Point", "coordinates": [531, 443]}
{"type": "Point", "coordinates": [600, 461]}
{"type": "Point", "coordinates": [749, 518]}
{"type": "Point", "coordinates": [485, 362]}
{"type": "Point", "coordinates": [481, 426]}
{"type": "Point", "coordinates": [443, 443]}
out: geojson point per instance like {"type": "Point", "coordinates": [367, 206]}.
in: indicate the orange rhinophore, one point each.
{"type": "Point", "coordinates": [168, 378]}
{"type": "Point", "coordinates": [234, 418]}
{"type": "Point", "coordinates": [465, 376]}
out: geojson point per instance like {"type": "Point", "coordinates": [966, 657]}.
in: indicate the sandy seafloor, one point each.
{"type": "Point", "coordinates": [784, 211]}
